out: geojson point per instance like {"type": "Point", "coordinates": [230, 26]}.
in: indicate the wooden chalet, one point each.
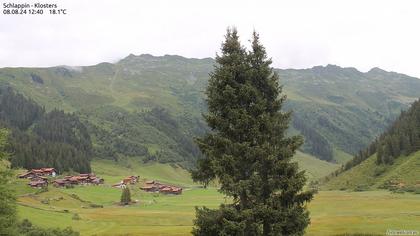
{"type": "Point", "coordinates": [60, 183]}
{"type": "Point", "coordinates": [131, 179]}
{"type": "Point", "coordinates": [39, 172]}
{"type": "Point", "coordinates": [171, 190]}
{"type": "Point", "coordinates": [126, 181]}
{"type": "Point", "coordinates": [82, 179]}
{"type": "Point", "coordinates": [38, 182]}
{"type": "Point", "coordinates": [154, 186]}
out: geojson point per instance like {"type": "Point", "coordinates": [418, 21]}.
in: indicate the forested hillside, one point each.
{"type": "Point", "coordinates": [343, 108]}
{"type": "Point", "coordinates": [393, 158]}
{"type": "Point", "coordinates": [43, 139]}
{"type": "Point", "coordinates": [150, 107]}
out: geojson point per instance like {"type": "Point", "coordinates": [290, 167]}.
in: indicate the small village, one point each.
{"type": "Point", "coordinates": [41, 178]}
{"type": "Point", "coordinates": [154, 186]}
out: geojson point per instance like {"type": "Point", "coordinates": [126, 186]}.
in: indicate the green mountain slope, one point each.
{"type": "Point", "coordinates": [150, 107]}
{"type": "Point", "coordinates": [37, 139]}
{"type": "Point", "coordinates": [315, 168]}
{"type": "Point", "coordinates": [394, 161]}
{"type": "Point", "coordinates": [347, 107]}
{"type": "Point", "coordinates": [369, 175]}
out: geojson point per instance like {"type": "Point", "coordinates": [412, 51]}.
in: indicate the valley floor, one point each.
{"type": "Point", "coordinates": [332, 212]}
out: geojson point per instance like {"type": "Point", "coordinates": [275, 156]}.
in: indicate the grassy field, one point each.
{"type": "Point", "coordinates": [368, 175]}
{"type": "Point", "coordinates": [332, 212]}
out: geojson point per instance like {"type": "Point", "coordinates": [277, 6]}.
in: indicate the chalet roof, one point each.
{"type": "Point", "coordinates": [25, 174]}
{"type": "Point", "coordinates": [147, 187]}
{"type": "Point", "coordinates": [87, 175]}
{"type": "Point", "coordinates": [74, 178]}
{"type": "Point", "coordinates": [42, 170]}
{"type": "Point", "coordinates": [60, 181]}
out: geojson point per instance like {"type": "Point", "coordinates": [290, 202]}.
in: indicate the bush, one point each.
{"type": "Point", "coordinates": [410, 189]}
{"type": "Point", "coordinates": [45, 201]}
{"type": "Point", "coordinates": [93, 205]}
{"type": "Point", "coordinates": [76, 217]}
{"type": "Point", "coordinates": [42, 190]}
{"type": "Point", "coordinates": [75, 196]}
{"type": "Point", "coordinates": [27, 229]}
{"type": "Point", "coordinates": [398, 191]}
{"type": "Point", "coordinates": [69, 186]}
{"type": "Point", "coordinates": [379, 170]}
{"type": "Point", "coordinates": [361, 188]}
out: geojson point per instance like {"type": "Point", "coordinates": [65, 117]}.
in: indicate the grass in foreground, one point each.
{"type": "Point", "coordinates": [332, 212]}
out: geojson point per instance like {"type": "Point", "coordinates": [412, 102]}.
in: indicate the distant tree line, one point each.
{"type": "Point", "coordinates": [315, 143]}
{"type": "Point", "coordinates": [41, 139]}
{"type": "Point", "coordinates": [16, 110]}
{"type": "Point", "coordinates": [162, 120]}
{"type": "Point", "coordinates": [9, 221]}
{"type": "Point", "coordinates": [131, 134]}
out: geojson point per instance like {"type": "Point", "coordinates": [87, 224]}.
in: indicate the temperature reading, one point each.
{"type": "Point", "coordinates": [58, 11]}
{"type": "Point", "coordinates": [33, 9]}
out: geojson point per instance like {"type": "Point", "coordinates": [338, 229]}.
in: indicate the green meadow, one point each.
{"type": "Point", "coordinates": [332, 212]}
{"type": "Point", "coordinates": [368, 175]}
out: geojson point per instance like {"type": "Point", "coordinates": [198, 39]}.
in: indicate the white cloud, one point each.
{"type": "Point", "coordinates": [297, 34]}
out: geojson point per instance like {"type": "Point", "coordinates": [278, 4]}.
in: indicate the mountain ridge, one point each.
{"type": "Point", "coordinates": [342, 114]}
{"type": "Point", "coordinates": [375, 69]}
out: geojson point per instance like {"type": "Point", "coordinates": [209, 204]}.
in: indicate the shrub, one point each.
{"type": "Point", "coordinates": [69, 186]}
{"type": "Point", "coordinates": [27, 229]}
{"type": "Point", "coordinates": [361, 188]}
{"type": "Point", "coordinates": [45, 201]}
{"type": "Point", "coordinates": [93, 205]}
{"type": "Point", "coordinates": [379, 170]}
{"type": "Point", "coordinates": [76, 217]}
{"type": "Point", "coordinates": [42, 190]}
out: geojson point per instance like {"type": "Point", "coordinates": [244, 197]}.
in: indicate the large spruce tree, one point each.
{"type": "Point", "coordinates": [248, 151]}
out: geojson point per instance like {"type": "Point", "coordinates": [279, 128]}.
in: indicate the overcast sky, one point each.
{"type": "Point", "coordinates": [297, 34]}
